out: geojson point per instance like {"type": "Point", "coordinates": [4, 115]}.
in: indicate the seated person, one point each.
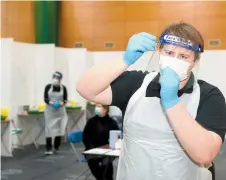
{"type": "Point", "coordinates": [96, 134]}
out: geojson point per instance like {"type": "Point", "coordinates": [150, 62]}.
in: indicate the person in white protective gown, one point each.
{"type": "Point", "coordinates": [55, 97]}
{"type": "Point", "coordinates": [174, 125]}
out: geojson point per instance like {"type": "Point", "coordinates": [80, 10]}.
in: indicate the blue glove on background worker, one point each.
{"type": "Point", "coordinates": [137, 45]}
{"type": "Point", "coordinates": [170, 83]}
{"type": "Point", "coordinates": [56, 105]}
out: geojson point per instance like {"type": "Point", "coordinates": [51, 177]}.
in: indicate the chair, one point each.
{"type": "Point", "coordinates": [73, 137]}
{"type": "Point", "coordinates": [17, 131]}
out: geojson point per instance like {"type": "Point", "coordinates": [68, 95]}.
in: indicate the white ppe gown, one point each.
{"type": "Point", "coordinates": [150, 149]}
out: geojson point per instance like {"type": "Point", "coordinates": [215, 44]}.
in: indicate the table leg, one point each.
{"type": "Point", "coordinates": [75, 120]}
{"type": "Point", "coordinates": [2, 137]}
{"type": "Point", "coordinates": [14, 125]}
{"type": "Point", "coordinates": [28, 132]}
{"type": "Point", "coordinates": [75, 151]}
{"type": "Point", "coordinates": [42, 128]}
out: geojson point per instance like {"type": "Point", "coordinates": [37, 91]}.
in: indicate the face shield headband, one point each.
{"type": "Point", "coordinates": [178, 41]}
{"type": "Point", "coordinates": [58, 75]}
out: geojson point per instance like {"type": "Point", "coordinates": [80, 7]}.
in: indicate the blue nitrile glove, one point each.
{"type": "Point", "coordinates": [170, 83]}
{"type": "Point", "coordinates": [56, 105]}
{"type": "Point", "coordinates": [137, 45]}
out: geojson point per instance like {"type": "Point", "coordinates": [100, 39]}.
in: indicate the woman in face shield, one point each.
{"type": "Point", "coordinates": [55, 97]}
{"type": "Point", "coordinates": [96, 134]}
{"type": "Point", "coordinates": [174, 125]}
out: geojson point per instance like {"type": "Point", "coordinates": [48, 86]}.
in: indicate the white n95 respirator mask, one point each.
{"type": "Point", "coordinates": [179, 66]}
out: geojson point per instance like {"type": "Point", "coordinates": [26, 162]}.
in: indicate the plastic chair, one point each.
{"type": "Point", "coordinates": [17, 132]}
{"type": "Point", "coordinates": [73, 137]}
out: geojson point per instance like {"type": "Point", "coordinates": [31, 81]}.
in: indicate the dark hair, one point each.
{"type": "Point", "coordinates": [106, 107]}
{"type": "Point", "coordinates": [186, 31]}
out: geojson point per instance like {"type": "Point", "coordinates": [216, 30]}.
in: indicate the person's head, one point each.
{"type": "Point", "coordinates": [181, 41]}
{"type": "Point", "coordinates": [57, 77]}
{"type": "Point", "coordinates": [101, 110]}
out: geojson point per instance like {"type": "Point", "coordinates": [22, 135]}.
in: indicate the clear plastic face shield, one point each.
{"type": "Point", "coordinates": [177, 53]}
{"type": "Point", "coordinates": [56, 78]}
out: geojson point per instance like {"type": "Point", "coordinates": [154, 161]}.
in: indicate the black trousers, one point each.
{"type": "Point", "coordinates": [101, 170]}
{"type": "Point", "coordinates": [57, 141]}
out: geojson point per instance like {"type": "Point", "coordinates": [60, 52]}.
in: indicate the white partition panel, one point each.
{"type": "Point", "coordinates": [32, 68]}
{"type": "Point", "coordinates": [61, 64]}
{"type": "Point", "coordinates": [72, 63]}
{"type": "Point", "coordinates": [23, 73]}
{"type": "Point", "coordinates": [100, 57]}
{"type": "Point", "coordinates": [147, 62]}
{"type": "Point", "coordinates": [6, 63]}
{"type": "Point", "coordinates": [89, 60]}
{"type": "Point", "coordinates": [6, 90]}
{"type": "Point", "coordinates": [212, 69]}
{"type": "Point", "coordinates": [43, 68]}
{"type": "Point", "coordinates": [77, 66]}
